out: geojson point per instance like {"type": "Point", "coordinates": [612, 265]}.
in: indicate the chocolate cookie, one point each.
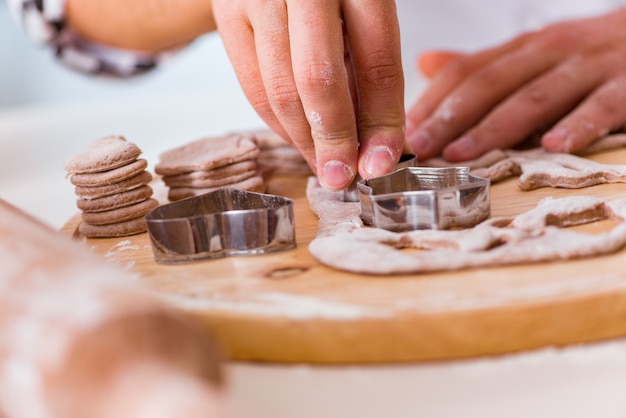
{"type": "Point", "coordinates": [207, 153]}
{"type": "Point", "coordinates": [116, 200]}
{"type": "Point", "coordinates": [252, 184]}
{"type": "Point", "coordinates": [103, 154]}
{"type": "Point", "coordinates": [95, 192]}
{"type": "Point", "coordinates": [120, 214]}
{"type": "Point", "coordinates": [120, 229]}
{"type": "Point", "coordinates": [110, 176]}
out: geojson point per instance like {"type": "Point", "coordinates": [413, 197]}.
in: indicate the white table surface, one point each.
{"type": "Point", "coordinates": [580, 381]}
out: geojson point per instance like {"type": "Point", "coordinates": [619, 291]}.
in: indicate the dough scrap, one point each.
{"type": "Point", "coordinates": [537, 235]}
{"type": "Point", "coordinates": [539, 168]}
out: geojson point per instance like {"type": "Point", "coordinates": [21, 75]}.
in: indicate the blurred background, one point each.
{"type": "Point", "coordinates": [29, 74]}
{"type": "Point", "coordinates": [48, 112]}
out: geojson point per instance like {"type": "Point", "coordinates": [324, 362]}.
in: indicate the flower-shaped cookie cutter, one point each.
{"type": "Point", "coordinates": [226, 222]}
{"type": "Point", "coordinates": [424, 198]}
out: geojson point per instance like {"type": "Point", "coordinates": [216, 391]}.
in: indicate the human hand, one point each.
{"type": "Point", "coordinates": [569, 78]}
{"type": "Point", "coordinates": [325, 75]}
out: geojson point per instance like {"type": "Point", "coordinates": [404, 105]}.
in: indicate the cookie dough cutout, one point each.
{"type": "Point", "coordinates": [206, 154]}
{"type": "Point", "coordinates": [110, 176]}
{"type": "Point", "coordinates": [103, 154]}
{"type": "Point", "coordinates": [96, 192]}
{"type": "Point", "coordinates": [120, 214]}
{"type": "Point", "coordinates": [111, 184]}
{"type": "Point", "coordinates": [115, 201]}
{"type": "Point", "coordinates": [221, 176]}
{"type": "Point", "coordinates": [252, 184]}
{"type": "Point", "coordinates": [121, 229]}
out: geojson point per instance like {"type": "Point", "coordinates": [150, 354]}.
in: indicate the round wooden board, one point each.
{"type": "Point", "coordinates": [287, 307]}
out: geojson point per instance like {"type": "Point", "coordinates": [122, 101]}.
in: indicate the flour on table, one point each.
{"type": "Point", "coordinates": [294, 307]}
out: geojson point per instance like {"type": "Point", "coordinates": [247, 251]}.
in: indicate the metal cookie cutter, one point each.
{"type": "Point", "coordinates": [219, 224]}
{"type": "Point", "coordinates": [424, 198]}
{"type": "Point", "coordinates": [351, 194]}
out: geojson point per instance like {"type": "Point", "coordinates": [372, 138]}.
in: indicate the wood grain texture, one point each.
{"type": "Point", "coordinates": [286, 307]}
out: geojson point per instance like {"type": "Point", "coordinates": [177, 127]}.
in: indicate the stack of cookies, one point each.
{"type": "Point", "coordinates": [278, 157]}
{"type": "Point", "coordinates": [111, 184]}
{"type": "Point", "coordinates": [212, 163]}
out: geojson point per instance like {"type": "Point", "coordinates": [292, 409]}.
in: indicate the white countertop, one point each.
{"type": "Point", "coordinates": [581, 381]}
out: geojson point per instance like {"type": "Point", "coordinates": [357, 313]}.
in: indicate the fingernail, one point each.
{"type": "Point", "coordinates": [379, 161]}
{"type": "Point", "coordinates": [418, 141]}
{"type": "Point", "coordinates": [556, 140]}
{"type": "Point", "coordinates": [337, 175]}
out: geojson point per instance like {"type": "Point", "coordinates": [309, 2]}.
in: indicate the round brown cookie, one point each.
{"type": "Point", "coordinates": [87, 192]}
{"type": "Point", "coordinates": [202, 179]}
{"type": "Point", "coordinates": [120, 229]}
{"type": "Point", "coordinates": [115, 201]}
{"type": "Point", "coordinates": [120, 214]}
{"type": "Point", "coordinates": [253, 184]}
{"type": "Point", "coordinates": [115, 175]}
{"type": "Point", "coordinates": [207, 153]}
{"type": "Point", "coordinates": [103, 154]}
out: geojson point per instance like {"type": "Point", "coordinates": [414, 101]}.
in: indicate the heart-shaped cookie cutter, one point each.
{"type": "Point", "coordinates": [226, 222]}
{"type": "Point", "coordinates": [413, 198]}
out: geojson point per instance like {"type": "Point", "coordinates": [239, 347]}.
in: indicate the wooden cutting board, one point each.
{"type": "Point", "coordinates": [286, 307]}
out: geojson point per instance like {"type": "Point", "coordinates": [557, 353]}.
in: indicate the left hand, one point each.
{"type": "Point", "coordinates": [569, 77]}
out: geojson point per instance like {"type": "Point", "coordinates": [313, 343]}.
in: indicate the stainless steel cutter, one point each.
{"type": "Point", "coordinates": [351, 194]}
{"type": "Point", "coordinates": [424, 198]}
{"type": "Point", "coordinates": [218, 224]}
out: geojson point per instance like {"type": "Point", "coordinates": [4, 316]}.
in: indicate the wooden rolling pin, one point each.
{"type": "Point", "coordinates": [78, 339]}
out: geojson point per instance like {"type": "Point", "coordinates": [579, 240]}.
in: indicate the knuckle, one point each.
{"type": "Point", "coordinates": [283, 96]}
{"type": "Point", "coordinates": [560, 37]}
{"type": "Point", "coordinates": [316, 77]}
{"type": "Point", "coordinates": [457, 69]}
{"type": "Point", "coordinates": [385, 73]}
{"type": "Point", "coordinates": [333, 138]}
{"type": "Point", "coordinates": [536, 94]}
{"type": "Point", "coordinates": [488, 76]}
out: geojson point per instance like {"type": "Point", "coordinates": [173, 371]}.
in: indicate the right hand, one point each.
{"type": "Point", "coordinates": [324, 74]}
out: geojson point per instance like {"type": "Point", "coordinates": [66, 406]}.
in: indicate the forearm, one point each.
{"type": "Point", "coordinates": [142, 25]}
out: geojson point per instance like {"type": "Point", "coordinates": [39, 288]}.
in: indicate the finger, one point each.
{"type": "Point", "coordinates": [272, 43]}
{"type": "Point", "coordinates": [452, 75]}
{"type": "Point", "coordinates": [431, 62]}
{"type": "Point", "coordinates": [476, 96]}
{"type": "Point", "coordinates": [598, 115]}
{"type": "Point", "coordinates": [374, 38]}
{"type": "Point", "coordinates": [538, 104]}
{"type": "Point", "coordinates": [238, 38]}
{"type": "Point", "coordinates": [322, 82]}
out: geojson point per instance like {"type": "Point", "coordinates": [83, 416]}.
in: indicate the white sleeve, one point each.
{"type": "Point", "coordinates": [44, 23]}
